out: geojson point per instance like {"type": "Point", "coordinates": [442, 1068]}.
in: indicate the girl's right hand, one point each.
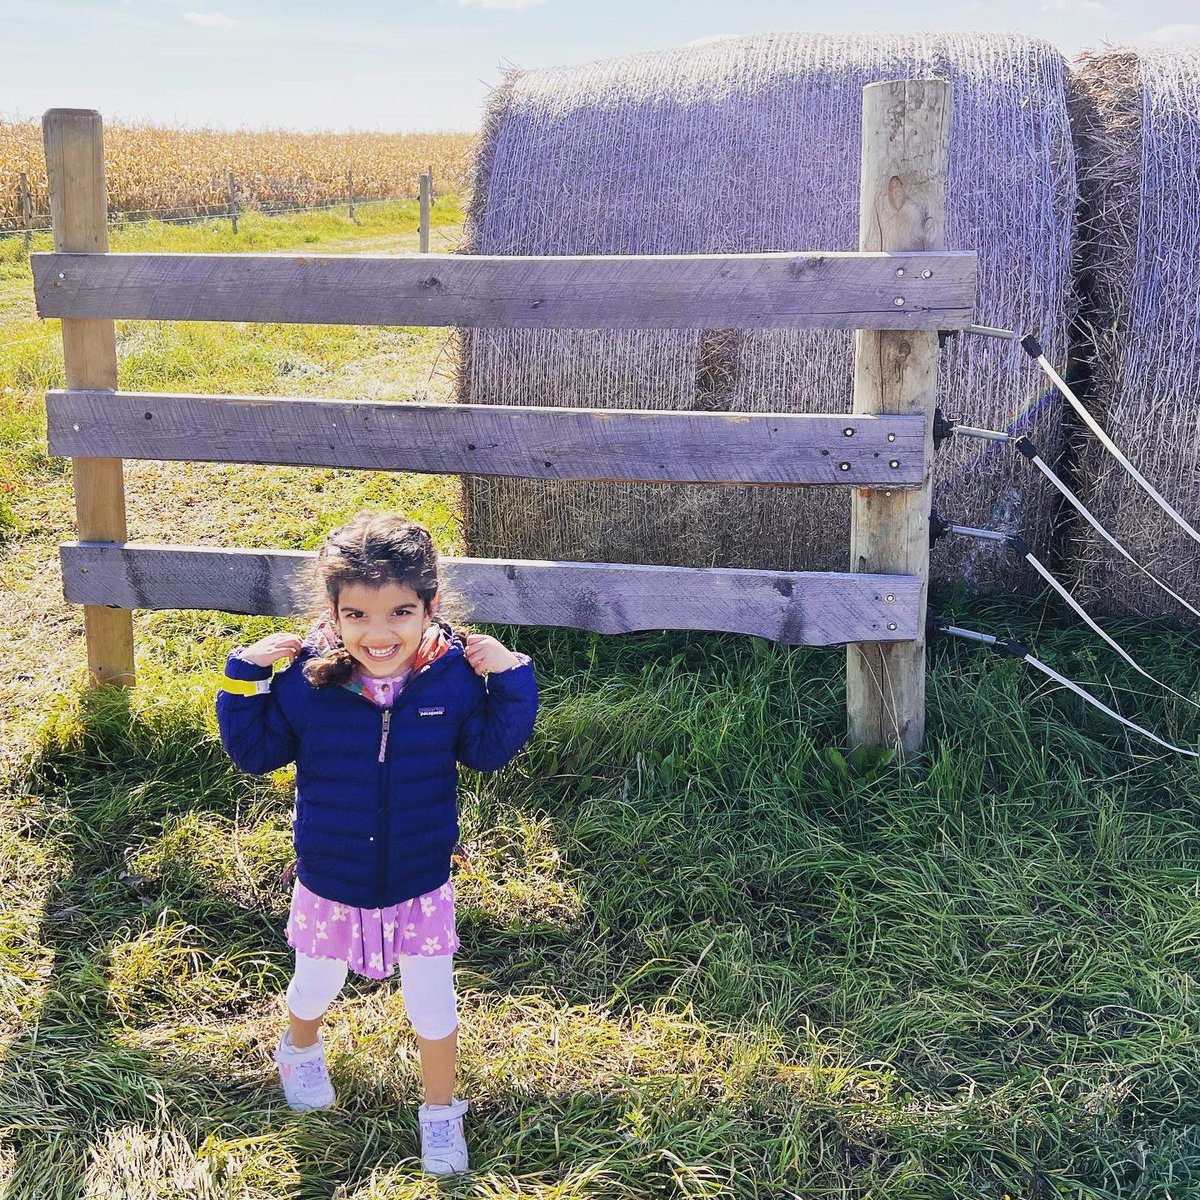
{"type": "Point", "coordinates": [272, 648]}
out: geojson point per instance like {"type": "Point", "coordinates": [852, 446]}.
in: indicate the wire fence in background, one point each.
{"type": "Point", "coordinates": [28, 222]}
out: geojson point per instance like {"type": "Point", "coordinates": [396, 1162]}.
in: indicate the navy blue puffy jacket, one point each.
{"type": "Point", "coordinates": [377, 789]}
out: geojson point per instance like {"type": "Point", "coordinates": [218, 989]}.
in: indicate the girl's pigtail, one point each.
{"type": "Point", "coordinates": [331, 669]}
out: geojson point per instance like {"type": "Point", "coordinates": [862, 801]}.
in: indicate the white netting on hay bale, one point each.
{"type": "Point", "coordinates": [752, 144]}
{"type": "Point", "coordinates": [1137, 118]}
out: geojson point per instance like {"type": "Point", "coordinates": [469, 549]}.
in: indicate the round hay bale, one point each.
{"type": "Point", "coordinates": [745, 145]}
{"type": "Point", "coordinates": [1137, 121]}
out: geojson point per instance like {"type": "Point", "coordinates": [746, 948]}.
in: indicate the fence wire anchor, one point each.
{"type": "Point", "coordinates": [942, 429]}
{"type": "Point", "coordinates": [938, 528]}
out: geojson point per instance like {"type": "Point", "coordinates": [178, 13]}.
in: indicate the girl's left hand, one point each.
{"type": "Point", "coordinates": [486, 654]}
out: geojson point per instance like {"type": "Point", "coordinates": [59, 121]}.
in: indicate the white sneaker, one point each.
{"type": "Point", "coordinates": [443, 1146]}
{"type": "Point", "coordinates": [304, 1075]}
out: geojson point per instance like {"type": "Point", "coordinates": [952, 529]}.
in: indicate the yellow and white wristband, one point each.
{"type": "Point", "coordinates": [245, 687]}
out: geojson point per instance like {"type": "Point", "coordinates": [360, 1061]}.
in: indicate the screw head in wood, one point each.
{"type": "Point", "coordinates": [900, 272]}
{"type": "Point", "coordinates": [927, 274]}
{"type": "Point", "coordinates": [891, 624]}
{"type": "Point", "coordinates": [894, 463]}
{"type": "Point", "coordinates": [843, 466]}
{"type": "Point", "coordinates": [75, 427]}
{"type": "Point", "coordinates": [891, 437]}
{"type": "Point", "coordinates": [891, 599]}
{"type": "Point", "coordinates": [899, 302]}
{"type": "Point", "coordinates": [888, 492]}
{"type": "Point", "coordinates": [848, 431]}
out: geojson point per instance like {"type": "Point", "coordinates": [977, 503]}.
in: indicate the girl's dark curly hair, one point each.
{"type": "Point", "coordinates": [371, 548]}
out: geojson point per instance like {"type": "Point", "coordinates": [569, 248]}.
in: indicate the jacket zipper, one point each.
{"type": "Point", "coordinates": [382, 835]}
{"type": "Point", "coordinates": [381, 858]}
{"type": "Point", "coordinates": [383, 739]}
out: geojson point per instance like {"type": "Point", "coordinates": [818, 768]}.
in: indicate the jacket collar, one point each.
{"type": "Point", "coordinates": [438, 641]}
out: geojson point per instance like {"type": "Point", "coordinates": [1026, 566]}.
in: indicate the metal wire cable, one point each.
{"type": "Point", "coordinates": [33, 337]}
{"type": "Point", "coordinates": [139, 216]}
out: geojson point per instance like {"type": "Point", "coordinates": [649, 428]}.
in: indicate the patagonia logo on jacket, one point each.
{"type": "Point", "coordinates": [438, 711]}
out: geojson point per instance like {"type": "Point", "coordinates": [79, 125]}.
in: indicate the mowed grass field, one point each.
{"type": "Point", "coordinates": [704, 953]}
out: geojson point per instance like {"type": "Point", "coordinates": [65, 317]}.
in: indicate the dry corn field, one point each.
{"type": "Point", "coordinates": [160, 172]}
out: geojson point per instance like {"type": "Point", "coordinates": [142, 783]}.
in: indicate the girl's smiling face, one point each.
{"type": "Point", "coordinates": [382, 626]}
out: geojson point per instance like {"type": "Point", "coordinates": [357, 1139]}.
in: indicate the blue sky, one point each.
{"type": "Point", "coordinates": [427, 64]}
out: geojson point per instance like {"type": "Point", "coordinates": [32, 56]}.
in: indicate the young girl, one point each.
{"type": "Point", "coordinates": [377, 709]}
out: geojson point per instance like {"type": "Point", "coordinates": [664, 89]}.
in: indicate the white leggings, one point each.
{"type": "Point", "coordinates": [426, 981]}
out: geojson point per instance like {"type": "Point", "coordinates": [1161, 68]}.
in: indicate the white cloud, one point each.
{"type": "Point", "coordinates": [499, 3]}
{"type": "Point", "coordinates": [1174, 35]}
{"type": "Point", "coordinates": [1077, 8]}
{"type": "Point", "coordinates": [211, 20]}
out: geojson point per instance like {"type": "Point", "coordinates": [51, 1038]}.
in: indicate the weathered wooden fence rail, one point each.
{"type": "Point", "coordinates": [696, 291]}
{"type": "Point", "coordinates": [479, 439]}
{"type": "Point", "coordinates": [813, 609]}
{"type": "Point", "coordinates": [904, 289]}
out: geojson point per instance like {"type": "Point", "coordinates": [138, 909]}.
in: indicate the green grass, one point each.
{"type": "Point", "coordinates": [704, 953]}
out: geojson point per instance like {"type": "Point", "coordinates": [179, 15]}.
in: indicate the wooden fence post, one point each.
{"type": "Point", "coordinates": [74, 141]}
{"type": "Point", "coordinates": [26, 202]}
{"type": "Point", "coordinates": [426, 190]}
{"type": "Point", "coordinates": [905, 129]}
{"type": "Point", "coordinates": [233, 204]}
{"type": "Point", "coordinates": [350, 189]}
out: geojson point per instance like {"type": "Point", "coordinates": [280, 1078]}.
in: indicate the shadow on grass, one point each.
{"type": "Point", "coordinates": [695, 868]}
{"type": "Point", "coordinates": [81, 1102]}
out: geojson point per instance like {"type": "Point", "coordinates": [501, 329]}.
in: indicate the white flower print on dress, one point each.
{"type": "Point", "coordinates": [377, 961]}
{"type": "Point", "coordinates": [321, 934]}
{"type": "Point", "coordinates": [377, 915]}
{"type": "Point", "coordinates": [410, 930]}
{"type": "Point", "coordinates": [340, 912]}
{"type": "Point", "coordinates": [431, 945]}
{"type": "Point", "coordinates": [302, 920]}
{"type": "Point", "coordinates": [428, 904]}
{"type": "Point", "coordinates": [446, 891]}
{"type": "Point", "coordinates": [389, 927]}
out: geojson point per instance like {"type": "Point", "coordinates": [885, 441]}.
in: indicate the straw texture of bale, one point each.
{"type": "Point", "coordinates": [1137, 121]}
{"type": "Point", "coordinates": [745, 145]}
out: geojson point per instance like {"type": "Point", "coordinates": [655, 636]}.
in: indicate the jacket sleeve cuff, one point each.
{"type": "Point", "coordinates": [518, 677]}
{"type": "Point", "coordinates": [237, 667]}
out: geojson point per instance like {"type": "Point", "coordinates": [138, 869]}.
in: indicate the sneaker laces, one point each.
{"type": "Point", "coordinates": [312, 1072]}
{"type": "Point", "coordinates": [440, 1131]}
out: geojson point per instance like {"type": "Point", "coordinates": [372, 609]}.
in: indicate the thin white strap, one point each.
{"type": "Point", "coordinates": [1111, 447]}
{"type": "Point", "coordinates": [1083, 511]}
{"type": "Point", "coordinates": [1062, 591]}
{"type": "Point", "coordinates": [1116, 716]}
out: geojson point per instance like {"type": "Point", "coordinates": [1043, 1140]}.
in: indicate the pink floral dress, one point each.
{"type": "Point", "coordinates": [371, 940]}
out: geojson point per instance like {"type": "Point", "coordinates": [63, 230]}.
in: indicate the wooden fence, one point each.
{"type": "Point", "coordinates": [898, 291]}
